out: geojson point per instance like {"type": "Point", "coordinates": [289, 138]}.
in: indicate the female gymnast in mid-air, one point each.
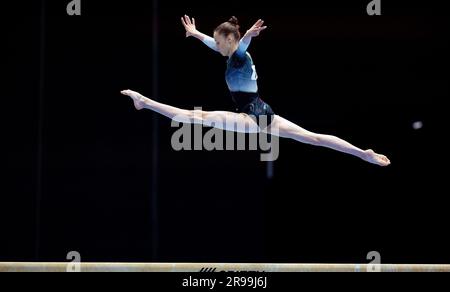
{"type": "Point", "coordinates": [241, 79]}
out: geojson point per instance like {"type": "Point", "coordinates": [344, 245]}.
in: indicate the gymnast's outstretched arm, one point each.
{"type": "Point", "coordinates": [191, 30]}
{"type": "Point", "coordinates": [244, 43]}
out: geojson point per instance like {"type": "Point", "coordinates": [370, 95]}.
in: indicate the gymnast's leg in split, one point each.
{"type": "Point", "coordinates": [279, 126]}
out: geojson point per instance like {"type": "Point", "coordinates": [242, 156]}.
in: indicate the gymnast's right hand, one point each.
{"type": "Point", "coordinates": [189, 25]}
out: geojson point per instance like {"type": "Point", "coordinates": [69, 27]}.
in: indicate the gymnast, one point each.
{"type": "Point", "coordinates": [241, 78]}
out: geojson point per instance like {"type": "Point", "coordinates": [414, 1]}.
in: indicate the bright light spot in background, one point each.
{"type": "Point", "coordinates": [417, 125]}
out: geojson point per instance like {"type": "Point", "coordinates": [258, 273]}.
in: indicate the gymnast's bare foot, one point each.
{"type": "Point", "coordinates": [375, 158]}
{"type": "Point", "coordinates": [138, 99]}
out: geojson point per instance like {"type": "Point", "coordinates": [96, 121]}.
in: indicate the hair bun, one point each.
{"type": "Point", "coordinates": [234, 21]}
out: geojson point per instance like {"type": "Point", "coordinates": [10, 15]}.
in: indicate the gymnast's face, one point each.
{"type": "Point", "coordinates": [226, 44]}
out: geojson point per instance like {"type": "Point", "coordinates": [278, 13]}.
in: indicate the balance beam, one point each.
{"type": "Point", "coordinates": [218, 267]}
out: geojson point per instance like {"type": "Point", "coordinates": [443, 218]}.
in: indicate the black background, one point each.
{"type": "Point", "coordinates": [326, 66]}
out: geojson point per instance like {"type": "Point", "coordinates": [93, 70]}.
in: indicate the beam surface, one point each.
{"type": "Point", "coordinates": [217, 267]}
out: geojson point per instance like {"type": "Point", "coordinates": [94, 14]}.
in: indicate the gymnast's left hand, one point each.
{"type": "Point", "coordinates": [256, 29]}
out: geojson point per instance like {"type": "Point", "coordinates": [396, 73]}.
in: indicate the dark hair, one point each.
{"type": "Point", "coordinates": [230, 27]}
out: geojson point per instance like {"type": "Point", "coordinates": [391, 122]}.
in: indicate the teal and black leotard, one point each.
{"type": "Point", "coordinates": [241, 78]}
